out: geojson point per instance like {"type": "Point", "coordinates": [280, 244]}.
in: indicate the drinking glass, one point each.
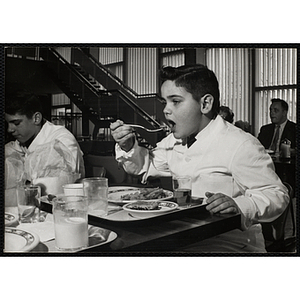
{"type": "Point", "coordinates": [54, 185]}
{"type": "Point", "coordinates": [70, 222]}
{"type": "Point", "coordinates": [96, 191]}
{"type": "Point", "coordinates": [75, 189]}
{"type": "Point", "coordinates": [182, 188]}
{"type": "Point", "coordinates": [28, 199]}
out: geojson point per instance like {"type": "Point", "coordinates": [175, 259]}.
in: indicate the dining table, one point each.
{"type": "Point", "coordinates": [159, 235]}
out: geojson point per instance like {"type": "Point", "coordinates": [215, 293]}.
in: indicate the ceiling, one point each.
{"type": "Point", "coordinates": [28, 75]}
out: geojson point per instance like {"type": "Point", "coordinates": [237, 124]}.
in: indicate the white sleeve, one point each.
{"type": "Point", "coordinates": [264, 196]}
{"type": "Point", "coordinates": [71, 143]}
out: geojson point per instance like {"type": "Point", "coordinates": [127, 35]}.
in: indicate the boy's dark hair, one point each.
{"type": "Point", "coordinates": [283, 103]}
{"type": "Point", "coordinates": [226, 113]}
{"type": "Point", "coordinates": [197, 80]}
{"type": "Point", "coordinates": [23, 104]}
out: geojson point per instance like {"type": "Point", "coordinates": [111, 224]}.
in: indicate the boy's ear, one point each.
{"type": "Point", "coordinates": [206, 103]}
{"type": "Point", "coordinates": [37, 118]}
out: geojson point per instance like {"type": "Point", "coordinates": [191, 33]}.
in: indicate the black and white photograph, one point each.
{"type": "Point", "coordinates": [150, 150]}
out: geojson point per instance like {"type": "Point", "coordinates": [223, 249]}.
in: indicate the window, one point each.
{"type": "Point", "coordinates": [173, 57]}
{"type": "Point", "coordinates": [275, 77]}
{"type": "Point", "coordinates": [141, 70]}
{"type": "Point", "coordinates": [112, 58]}
{"type": "Point", "coordinates": [232, 68]}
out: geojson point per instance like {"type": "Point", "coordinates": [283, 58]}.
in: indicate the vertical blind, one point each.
{"type": "Point", "coordinates": [275, 67]}
{"type": "Point", "coordinates": [116, 70]}
{"type": "Point", "coordinates": [232, 68]}
{"type": "Point", "coordinates": [110, 55]}
{"type": "Point", "coordinates": [113, 59]}
{"type": "Point", "coordinates": [275, 77]}
{"type": "Point", "coordinates": [169, 49]}
{"type": "Point", "coordinates": [173, 57]}
{"type": "Point", "coordinates": [173, 60]}
{"type": "Point", "coordinates": [65, 52]}
{"type": "Point", "coordinates": [141, 65]}
{"type": "Point", "coordinates": [142, 70]}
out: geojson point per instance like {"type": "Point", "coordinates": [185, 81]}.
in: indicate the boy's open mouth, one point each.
{"type": "Point", "coordinates": [171, 124]}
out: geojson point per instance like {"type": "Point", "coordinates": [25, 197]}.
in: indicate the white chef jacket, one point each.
{"type": "Point", "coordinates": [223, 159]}
{"type": "Point", "coordinates": [48, 133]}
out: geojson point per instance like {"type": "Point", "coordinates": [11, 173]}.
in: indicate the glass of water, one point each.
{"type": "Point", "coordinates": [28, 199]}
{"type": "Point", "coordinates": [96, 191]}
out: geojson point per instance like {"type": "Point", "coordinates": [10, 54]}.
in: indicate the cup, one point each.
{"type": "Point", "coordinates": [54, 185]}
{"type": "Point", "coordinates": [70, 222]}
{"type": "Point", "coordinates": [182, 189]}
{"type": "Point", "coordinates": [75, 189]}
{"type": "Point", "coordinates": [96, 191]}
{"type": "Point", "coordinates": [28, 200]}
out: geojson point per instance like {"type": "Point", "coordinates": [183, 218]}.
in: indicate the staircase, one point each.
{"type": "Point", "coordinates": [99, 94]}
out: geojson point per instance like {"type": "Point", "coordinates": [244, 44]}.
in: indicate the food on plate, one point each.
{"type": "Point", "coordinates": [145, 194]}
{"type": "Point", "coordinates": [142, 205]}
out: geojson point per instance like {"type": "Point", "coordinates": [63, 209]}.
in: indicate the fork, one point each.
{"type": "Point", "coordinates": [146, 129]}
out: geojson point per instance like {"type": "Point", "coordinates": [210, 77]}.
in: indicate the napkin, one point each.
{"type": "Point", "coordinates": [45, 230]}
{"type": "Point", "coordinates": [99, 234]}
{"type": "Point", "coordinates": [52, 159]}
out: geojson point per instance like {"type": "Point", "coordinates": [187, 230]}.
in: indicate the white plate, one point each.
{"type": "Point", "coordinates": [115, 194]}
{"type": "Point", "coordinates": [18, 240]}
{"type": "Point", "coordinates": [10, 219]}
{"type": "Point", "coordinates": [163, 207]}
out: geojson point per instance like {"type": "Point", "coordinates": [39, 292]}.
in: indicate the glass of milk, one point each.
{"type": "Point", "coordinates": [70, 213]}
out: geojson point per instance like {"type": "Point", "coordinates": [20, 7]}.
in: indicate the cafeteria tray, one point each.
{"type": "Point", "coordinates": [120, 216]}
{"type": "Point", "coordinates": [98, 237]}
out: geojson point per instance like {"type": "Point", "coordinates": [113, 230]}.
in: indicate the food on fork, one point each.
{"type": "Point", "coordinates": [145, 194]}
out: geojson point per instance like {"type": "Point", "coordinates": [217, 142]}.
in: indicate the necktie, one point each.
{"type": "Point", "coordinates": [275, 139]}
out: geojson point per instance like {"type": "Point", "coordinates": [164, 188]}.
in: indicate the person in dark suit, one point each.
{"type": "Point", "coordinates": [286, 129]}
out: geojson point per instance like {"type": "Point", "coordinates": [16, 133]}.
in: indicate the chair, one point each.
{"type": "Point", "coordinates": [115, 173]}
{"type": "Point", "coordinates": [274, 232]}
